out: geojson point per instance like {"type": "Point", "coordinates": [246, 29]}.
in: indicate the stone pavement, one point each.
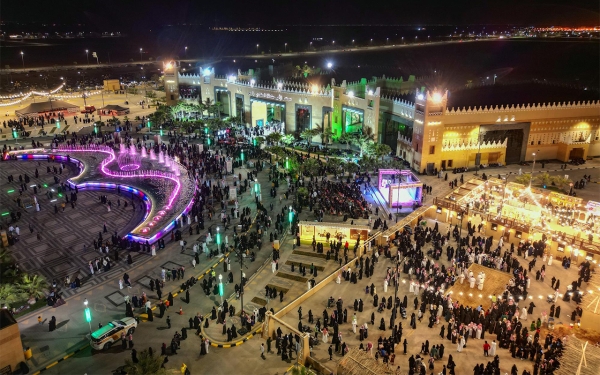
{"type": "Point", "coordinates": [107, 300]}
{"type": "Point", "coordinates": [60, 250]}
{"type": "Point", "coordinates": [472, 353]}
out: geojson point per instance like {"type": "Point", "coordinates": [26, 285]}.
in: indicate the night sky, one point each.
{"type": "Point", "coordinates": [129, 15]}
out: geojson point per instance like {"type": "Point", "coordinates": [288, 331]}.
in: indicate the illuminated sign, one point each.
{"type": "Point", "coordinates": [269, 96]}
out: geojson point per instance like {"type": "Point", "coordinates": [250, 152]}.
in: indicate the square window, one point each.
{"type": "Point", "coordinates": [431, 150]}
{"type": "Point", "coordinates": [449, 163]}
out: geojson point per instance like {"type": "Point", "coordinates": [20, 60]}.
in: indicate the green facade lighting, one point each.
{"type": "Point", "coordinates": [88, 315]}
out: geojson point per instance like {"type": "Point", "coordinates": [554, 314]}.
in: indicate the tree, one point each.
{"type": "Point", "coordinates": [259, 141]}
{"type": "Point", "coordinates": [523, 179]}
{"type": "Point", "coordinates": [326, 134]}
{"type": "Point", "coordinates": [274, 137]}
{"type": "Point", "coordinates": [310, 167]}
{"type": "Point", "coordinates": [381, 150]}
{"type": "Point", "coordinates": [543, 179]}
{"type": "Point", "coordinates": [348, 139]}
{"type": "Point", "coordinates": [562, 182]}
{"type": "Point", "coordinates": [309, 134]}
{"type": "Point", "coordinates": [11, 293]}
{"type": "Point", "coordinates": [334, 165]}
{"type": "Point", "coordinates": [148, 364]}
{"type": "Point", "coordinates": [33, 285]}
{"type": "Point", "coordinates": [288, 139]}
{"type": "Point", "coordinates": [364, 140]}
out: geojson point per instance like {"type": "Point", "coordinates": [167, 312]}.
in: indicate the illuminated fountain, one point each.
{"type": "Point", "coordinates": [122, 147]}
{"type": "Point", "coordinates": [144, 152]}
{"type": "Point", "coordinates": [161, 157]}
{"type": "Point", "coordinates": [129, 161]}
{"type": "Point", "coordinates": [152, 154]}
{"type": "Point", "coordinates": [167, 161]}
{"type": "Point", "coordinates": [132, 149]}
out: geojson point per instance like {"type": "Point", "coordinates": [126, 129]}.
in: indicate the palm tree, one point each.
{"type": "Point", "coordinates": [562, 182]}
{"type": "Point", "coordinates": [274, 137]}
{"type": "Point", "coordinates": [326, 134]}
{"type": "Point", "coordinates": [33, 285]}
{"type": "Point", "coordinates": [310, 166]}
{"type": "Point", "coordinates": [309, 134]}
{"type": "Point", "coordinates": [365, 139]}
{"type": "Point", "coordinates": [148, 364]}
{"type": "Point", "coordinates": [11, 293]}
{"type": "Point", "coordinates": [543, 179]}
{"type": "Point", "coordinates": [288, 139]}
{"type": "Point", "coordinates": [523, 179]}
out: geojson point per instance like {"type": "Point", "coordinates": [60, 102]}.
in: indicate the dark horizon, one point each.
{"type": "Point", "coordinates": [135, 15]}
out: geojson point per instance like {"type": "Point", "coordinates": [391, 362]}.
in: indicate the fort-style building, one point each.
{"type": "Point", "coordinates": [436, 130]}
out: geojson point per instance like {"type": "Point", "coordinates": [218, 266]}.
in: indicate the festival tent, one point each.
{"type": "Point", "coordinates": [35, 109]}
{"type": "Point", "coordinates": [113, 109]}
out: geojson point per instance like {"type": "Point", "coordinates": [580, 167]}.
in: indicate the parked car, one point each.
{"type": "Point", "coordinates": [104, 337]}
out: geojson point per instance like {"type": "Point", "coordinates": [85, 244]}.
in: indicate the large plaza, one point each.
{"type": "Point", "coordinates": [251, 210]}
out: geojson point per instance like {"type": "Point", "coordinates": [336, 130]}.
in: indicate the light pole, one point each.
{"type": "Point", "coordinates": [23, 60]}
{"type": "Point", "coordinates": [478, 162]}
{"type": "Point", "coordinates": [257, 48]}
{"type": "Point", "coordinates": [532, 166]}
{"type": "Point", "coordinates": [310, 46]}
{"type": "Point", "coordinates": [218, 239]}
{"type": "Point", "coordinates": [221, 288]}
{"type": "Point", "coordinates": [387, 40]}
{"type": "Point", "coordinates": [504, 193]}
{"type": "Point", "coordinates": [87, 55]}
{"type": "Point", "coordinates": [141, 55]}
{"type": "Point", "coordinates": [291, 218]}
{"type": "Point", "coordinates": [186, 52]}
{"type": "Point", "coordinates": [88, 315]}
{"type": "Point", "coordinates": [285, 48]}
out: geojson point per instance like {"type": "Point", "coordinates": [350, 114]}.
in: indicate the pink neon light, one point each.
{"type": "Point", "coordinates": [128, 174]}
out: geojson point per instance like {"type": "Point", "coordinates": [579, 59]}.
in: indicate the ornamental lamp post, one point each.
{"type": "Point", "coordinates": [87, 55]}
{"type": "Point", "coordinates": [221, 288]}
{"type": "Point", "coordinates": [88, 315]}
{"type": "Point", "coordinates": [532, 166]}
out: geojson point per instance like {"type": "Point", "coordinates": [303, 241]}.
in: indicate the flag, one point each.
{"type": "Point", "coordinates": [94, 55]}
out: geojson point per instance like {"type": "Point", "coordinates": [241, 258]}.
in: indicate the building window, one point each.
{"type": "Point", "coordinates": [449, 163]}
{"type": "Point", "coordinates": [431, 150]}
{"type": "Point", "coordinates": [539, 142]}
{"type": "Point", "coordinates": [417, 148]}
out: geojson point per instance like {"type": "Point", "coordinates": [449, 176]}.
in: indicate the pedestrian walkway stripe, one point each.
{"type": "Point", "coordinates": [62, 359]}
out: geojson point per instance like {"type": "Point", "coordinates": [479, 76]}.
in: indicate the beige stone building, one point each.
{"type": "Point", "coordinates": [436, 130]}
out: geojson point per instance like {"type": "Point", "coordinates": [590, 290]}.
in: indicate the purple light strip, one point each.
{"type": "Point", "coordinates": [105, 185]}
{"type": "Point", "coordinates": [128, 174]}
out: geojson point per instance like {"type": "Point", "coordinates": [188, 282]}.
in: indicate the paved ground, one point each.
{"type": "Point", "coordinates": [466, 360]}
{"type": "Point", "coordinates": [60, 250]}
{"type": "Point", "coordinates": [107, 303]}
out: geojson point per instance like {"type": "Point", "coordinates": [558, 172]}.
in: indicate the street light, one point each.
{"type": "Point", "coordinates": [286, 47]}
{"type": "Point", "coordinates": [221, 288]}
{"type": "Point", "coordinates": [532, 166]}
{"type": "Point", "coordinates": [329, 65]}
{"type": "Point", "coordinates": [23, 60]}
{"type": "Point", "coordinates": [141, 55]}
{"type": "Point", "coordinates": [88, 315]}
{"type": "Point", "coordinates": [478, 157]}
{"type": "Point", "coordinates": [310, 46]}
{"type": "Point", "coordinates": [218, 239]}
{"type": "Point", "coordinates": [257, 48]}
{"type": "Point", "coordinates": [87, 55]}
{"type": "Point", "coordinates": [291, 217]}
{"type": "Point", "coordinates": [186, 52]}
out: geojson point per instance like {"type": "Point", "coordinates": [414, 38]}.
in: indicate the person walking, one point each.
{"type": "Point", "coordinates": [168, 321]}
{"type": "Point", "coordinates": [330, 351]}
{"type": "Point", "coordinates": [262, 351]}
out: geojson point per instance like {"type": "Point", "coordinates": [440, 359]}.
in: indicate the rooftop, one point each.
{"type": "Point", "coordinates": [522, 93]}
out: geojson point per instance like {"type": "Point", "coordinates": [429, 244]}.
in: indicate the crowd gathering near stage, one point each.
{"type": "Point", "coordinates": [430, 260]}
{"type": "Point", "coordinates": [509, 322]}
